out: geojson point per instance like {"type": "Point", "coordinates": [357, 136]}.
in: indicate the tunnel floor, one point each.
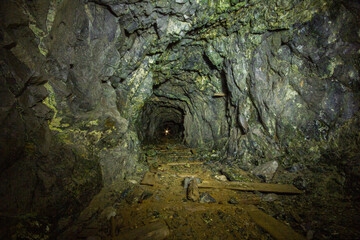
{"type": "Point", "coordinates": [157, 205]}
{"type": "Point", "coordinates": [166, 201]}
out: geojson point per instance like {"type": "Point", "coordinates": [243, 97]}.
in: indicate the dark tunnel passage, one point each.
{"type": "Point", "coordinates": [161, 121]}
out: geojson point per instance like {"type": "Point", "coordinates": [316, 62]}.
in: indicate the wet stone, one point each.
{"type": "Point", "coordinates": [206, 198]}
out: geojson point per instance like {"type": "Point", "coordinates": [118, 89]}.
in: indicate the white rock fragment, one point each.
{"type": "Point", "coordinates": [266, 170]}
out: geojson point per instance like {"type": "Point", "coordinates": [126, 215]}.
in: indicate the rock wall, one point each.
{"type": "Point", "coordinates": [41, 175]}
{"type": "Point", "coordinates": [80, 82]}
{"type": "Point", "coordinates": [62, 134]}
{"type": "Point", "coordinates": [290, 72]}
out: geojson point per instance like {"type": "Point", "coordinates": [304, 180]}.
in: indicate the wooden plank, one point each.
{"type": "Point", "coordinates": [277, 229]}
{"type": "Point", "coordinates": [153, 231]}
{"type": "Point", "coordinates": [245, 186]}
{"type": "Point", "coordinates": [182, 163]}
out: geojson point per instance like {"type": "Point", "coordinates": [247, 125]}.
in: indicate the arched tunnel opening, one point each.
{"type": "Point", "coordinates": [161, 121]}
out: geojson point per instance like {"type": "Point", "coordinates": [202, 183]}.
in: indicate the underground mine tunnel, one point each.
{"type": "Point", "coordinates": [181, 119]}
{"type": "Point", "coordinates": [161, 120]}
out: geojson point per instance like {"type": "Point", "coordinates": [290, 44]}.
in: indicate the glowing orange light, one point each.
{"type": "Point", "coordinates": [167, 132]}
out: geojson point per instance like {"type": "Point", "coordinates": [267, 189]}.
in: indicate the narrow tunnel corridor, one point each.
{"type": "Point", "coordinates": [159, 121]}
{"type": "Point", "coordinates": [181, 119]}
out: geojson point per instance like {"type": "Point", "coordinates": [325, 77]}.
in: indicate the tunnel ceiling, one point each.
{"type": "Point", "coordinates": [83, 81]}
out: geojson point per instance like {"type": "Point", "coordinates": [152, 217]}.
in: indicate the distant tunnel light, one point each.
{"type": "Point", "coordinates": [167, 132]}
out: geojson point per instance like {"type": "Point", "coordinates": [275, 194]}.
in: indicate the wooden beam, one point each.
{"type": "Point", "coordinates": [277, 229]}
{"type": "Point", "coordinates": [219, 95]}
{"type": "Point", "coordinates": [246, 186]}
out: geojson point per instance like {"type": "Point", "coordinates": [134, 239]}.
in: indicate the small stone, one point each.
{"type": "Point", "coordinates": [145, 195]}
{"type": "Point", "coordinates": [186, 182]}
{"type": "Point", "coordinates": [193, 191]}
{"type": "Point", "coordinates": [233, 201]}
{"type": "Point", "coordinates": [295, 168]}
{"type": "Point", "coordinates": [266, 170]}
{"type": "Point", "coordinates": [300, 183]}
{"type": "Point", "coordinates": [206, 198]}
{"type": "Point", "coordinates": [221, 177]}
{"type": "Point", "coordinates": [133, 181]}
{"type": "Point", "coordinates": [270, 197]}
{"type": "Point", "coordinates": [149, 179]}
{"type": "Point", "coordinates": [188, 179]}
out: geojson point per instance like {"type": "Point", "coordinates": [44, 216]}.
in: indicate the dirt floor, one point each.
{"type": "Point", "coordinates": [131, 213]}
{"type": "Point", "coordinates": [187, 219]}
{"type": "Point", "coordinates": [157, 207]}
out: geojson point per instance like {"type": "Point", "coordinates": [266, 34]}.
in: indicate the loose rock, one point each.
{"type": "Point", "coordinates": [193, 191]}
{"type": "Point", "coordinates": [149, 179]}
{"type": "Point", "coordinates": [233, 201]}
{"type": "Point", "coordinates": [270, 197]}
{"type": "Point", "coordinates": [300, 183]}
{"type": "Point", "coordinates": [188, 179]}
{"type": "Point", "coordinates": [221, 178]}
{"type": "Point", "coordinates": [266, 170]}
{"type": "Point", "coordinates": [206, 198]}
{"type": "Point", "coordinates": [145, 195]}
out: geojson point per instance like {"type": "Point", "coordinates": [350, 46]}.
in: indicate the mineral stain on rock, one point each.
{"type": "Point", "coordinates": [95, 95]}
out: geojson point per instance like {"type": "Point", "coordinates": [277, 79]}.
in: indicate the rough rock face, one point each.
{"type": "Point", "coordinates": [83, 81]}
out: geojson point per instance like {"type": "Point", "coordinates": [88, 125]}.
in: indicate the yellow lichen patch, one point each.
{"type": "Point", "coordinates": [93, 123]}
{"type": "Point", "coordinates": [55, 123]}
{"type": "Point", "coordinates": [201, 82]}
{"type": "Point", "coordinates": [94, 136]}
